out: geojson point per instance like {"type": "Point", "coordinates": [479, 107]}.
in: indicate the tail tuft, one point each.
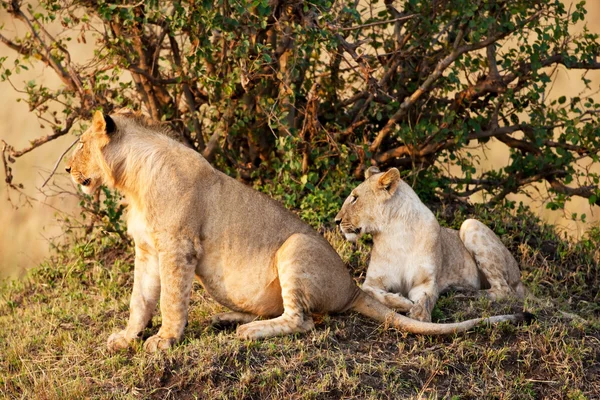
{"type": "Point", "coordinates": [526, 318]}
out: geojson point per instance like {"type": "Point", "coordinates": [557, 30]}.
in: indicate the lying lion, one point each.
{"type": "Point", "coordinates": [413, 259]}
{"type": "Point", "coordinates": [250, 253]}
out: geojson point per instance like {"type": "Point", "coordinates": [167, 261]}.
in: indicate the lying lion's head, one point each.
{"type": "Point", "coordinates": [363, 210]}
{"type": "Point", "coordinates": [87, 166]}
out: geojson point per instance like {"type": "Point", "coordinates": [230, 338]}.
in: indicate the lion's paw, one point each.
{"type": "Point", "coordinates": [156, 342]}
{"type": "Point", "coordinates": [419, 313]}
{"type": "Point", "coordinates": [251, 331]}
{"type": "Point", "coordinates": [117, 341]}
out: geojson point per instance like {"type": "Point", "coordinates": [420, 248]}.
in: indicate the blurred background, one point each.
{"type": "Point", "coordinates": [29, 226]}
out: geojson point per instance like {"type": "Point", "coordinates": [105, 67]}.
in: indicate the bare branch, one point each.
{"type": "Point", "coordinates": [514, 182]}
{"type": "Point", "coordinates": [25, 51]}
{"type": "Point", "coordinates": [584, 191]}
{"type": "Point", "coordinates": [526, 68]}
{"type": "Point", "coordinates": [67, 79]}
{"type": "Point", "coordinates": [212, 146]}
{"type": "Point", "coordinates": [492, 64]}
{"type": "Point", "coordinates": [440, 68]}
{"type": "Point", "coordinates": [34, 144]}
{"type": "Point", "coordinates": [376, 23]}
{"type": "Point", "coordinates": [429, 147]}
{"type": "Point", "coordinates": [58, 161]}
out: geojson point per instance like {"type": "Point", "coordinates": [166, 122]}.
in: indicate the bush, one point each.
{"type": "Point", "coordinates": [305, 94]}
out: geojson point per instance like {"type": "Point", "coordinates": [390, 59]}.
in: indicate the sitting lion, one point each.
{"type": "Point", "coordinates": [413, 259]}
{"type": "Point", "coordinates": [251, 254]}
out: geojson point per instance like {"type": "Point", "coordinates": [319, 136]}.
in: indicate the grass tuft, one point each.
{"type": "Point", "coordinates": [54, 325]}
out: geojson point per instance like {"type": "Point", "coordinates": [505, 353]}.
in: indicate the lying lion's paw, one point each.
{"type": "Point", "coordinates": [419, 313]}
{"type": "Point", "coordinates": [220, 321]}
{"type": "Point", "coordinates": [157, 342]}
{"type": "Point", "coordinates": [117, 341]}
{"type": "Point", "coordinates": [250, 331]}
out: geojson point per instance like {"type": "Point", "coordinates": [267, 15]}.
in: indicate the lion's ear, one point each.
{"type": "Point", "coordinates": [390, 180]}
{"type": "Point", "coordinates": [103, 123]}
{"type": "Point", "coordinates": [371, 171]}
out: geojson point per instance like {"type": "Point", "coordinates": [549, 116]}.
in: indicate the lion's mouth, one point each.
{"type": "Point", "coordinates": [350, 229]}
{"type": "Point", "coordinates": [86, 182]}
{"type": "Point", "coordinates": [351, 233]}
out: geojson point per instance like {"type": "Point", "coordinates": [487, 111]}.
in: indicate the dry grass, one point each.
{"type": "Point", "coordinates": [53, 329]}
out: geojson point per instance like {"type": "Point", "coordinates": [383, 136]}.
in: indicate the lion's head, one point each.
{"type": "Point", "coordinates": [363, 211]}
{"type": "Point", "coordinates": [87, 165]}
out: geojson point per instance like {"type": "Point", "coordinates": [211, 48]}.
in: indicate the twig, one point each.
{"type": "Point", "coordinates": [41, 140]}
{"type": "Point", "coordinates": [9, 177]}
{"type": "Point", "coordinates": [58, 162]}
{"type": "Point", "coordinates": [427, 383]}
{"type": "Point", "coordinates": [7, 170]}
{"type": "Point", "coordinates": [46, 55]}
{"type": "Point", "coordinates": [139, 3]}
{"type": "Point", "coordinates": [439, 70]}
{"type": "Point", "coordinates": [389, 21]}
{"type": "Point", "coordinates": [189, 97]}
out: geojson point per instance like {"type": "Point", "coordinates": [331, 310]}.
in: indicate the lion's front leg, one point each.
{"type": "Point", "coordinates": [146, 289]}
{"type": "Point", "coordinates": [424, 295]}
{"type": "Point", "coordinates": [177, 264]}
{"type": "Point", "coordinates": [376, 288]}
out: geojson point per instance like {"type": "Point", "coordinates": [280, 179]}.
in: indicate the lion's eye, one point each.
{"type": "Point", "coordinates": [353, 199]}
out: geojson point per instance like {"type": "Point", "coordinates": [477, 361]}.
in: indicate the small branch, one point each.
{"type": "Point", "coordinates": [361, 95]}
{"type": "Point", "coordinates": [431, 148]}
{"type": "Point", "coordinates": [350, 130]}
{"type": "Point", "coordinates": [189, 97]}
{"type": "Point", "coordinates": [353, 28]}
{"type": "Point", "coordinates": [492, 64]}
{"type": "Point", "coordinates": [41, 140]}
{"type": "Point", "coordinates": [58, 162]}
{"type": "Point", "coordinates": [67, 79]}
{"type": "Point", "coordinates": [522, 145]}
{"type": "Point", "coordinates": [130, 6]}
{"type": "Point", "coordinates": [525, 69]}
{"type": "Point", "coordinates": [75, 78]}
{"type": "Point", "coordinates": [212, 146]}
{"type": "Point", "coordinates": [350, 48]}
{"type": "Point", "coordinates": [389, 5]}
{"type": "Point", "coordinates": [143, 50]}
{"type": "Point", "coordinates": [436, 74]}
{"type": "Point", "coordinates": [584, 191]}
{"type": "Point", "coordinates": [25, 51]}
{"type": "Point", "coordinates": [8, 177]}
{"type": "Point", "coordinates": [517, 181]}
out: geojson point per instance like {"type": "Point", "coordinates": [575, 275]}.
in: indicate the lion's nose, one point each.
{"type": "Point", "coordinates": [68, 169]}
{"type": "Point", "coordinates": [338, 221]}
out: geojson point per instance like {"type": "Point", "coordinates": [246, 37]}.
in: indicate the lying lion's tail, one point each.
{"type": "Point", "coordinates": [372, 308]}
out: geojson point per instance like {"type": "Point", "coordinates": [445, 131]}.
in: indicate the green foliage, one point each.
{"type": "Point", "coordinates": [54, 325]}
{"type": "Point", "coordinates": [108, 211]}
{"type": "Point", "coordinates": [316, 194]}
{"type": "Point", "coordinates": [309, 92]}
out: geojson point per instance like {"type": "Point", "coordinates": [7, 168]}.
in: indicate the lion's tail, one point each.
{"type": "Point", "coordinates": [372, 308]}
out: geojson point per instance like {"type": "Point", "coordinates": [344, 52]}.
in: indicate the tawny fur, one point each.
{"type": "Point", "coordinates": [414, 259]}
{"type": "Point", "coordinates": [250, 253]}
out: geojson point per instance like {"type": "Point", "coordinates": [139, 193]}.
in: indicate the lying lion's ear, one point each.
{"type": "Point", "coordinates": [371, 171]}
{"type": "Point", "coordinates": [103, 123]}
{"type": "Point", "coordinates": [390, 180]}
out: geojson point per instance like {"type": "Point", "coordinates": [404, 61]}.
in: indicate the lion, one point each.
{"type": "Point", "coordinates": [413, 259]}
{"type": "Point", "coordinates": [250, 253]}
